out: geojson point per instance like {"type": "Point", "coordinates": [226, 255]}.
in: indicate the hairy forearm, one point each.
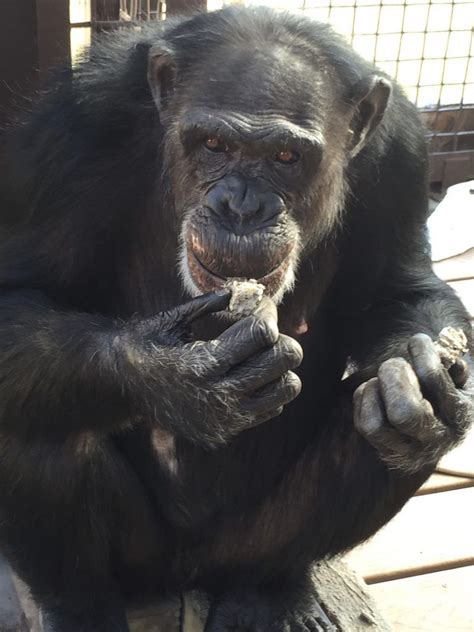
{"type": "Point", "coordinates": [383, 331]}
{"type": "Point", "coordinates": [58, 369]}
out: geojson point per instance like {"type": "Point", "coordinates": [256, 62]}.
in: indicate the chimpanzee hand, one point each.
{"type": "Point", "coordinates": [414, 413]}
{"type": "Point", "coordinates": [210, 391]}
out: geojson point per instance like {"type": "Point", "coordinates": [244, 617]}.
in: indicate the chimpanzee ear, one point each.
{"type": "Point", "coordinates": [161, 74]}
{"type": "Point", "coordinates": [370, 97]}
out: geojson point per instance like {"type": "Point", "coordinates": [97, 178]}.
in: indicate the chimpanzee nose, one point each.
{"type": "Point", "coordinates": [243, 203]}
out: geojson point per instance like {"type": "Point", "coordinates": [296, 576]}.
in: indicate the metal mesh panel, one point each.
{"type": "Point", "coordinates": [428, 46]}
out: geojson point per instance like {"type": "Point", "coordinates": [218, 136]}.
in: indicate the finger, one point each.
{"type": "Point", "coordinates": [459, 373]}
{"type": "Point", "coordinates": [267, 415]}
{"type": "Point", "coordinates": [435, 381]}
{"type": "Point", "coordinates": [371, 421]}
{"type": "Point", "coordinates": [274, 395]}
{"type": "Point", "coordinates": [268, 366]}
{"type": "Point", "coordinates": [369, 414]}
{"type": "Point", "coordinates": [244, 339]}
{"type": "Point", "coordinates": [406, 409]}
{"type": "Point", "coordinates": [197, 307]}
{"type": "Point", "coordinates": [267, 310]}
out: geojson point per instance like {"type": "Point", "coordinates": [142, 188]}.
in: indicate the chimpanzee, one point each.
{"type": "Point", "coordinates": [150, 444]}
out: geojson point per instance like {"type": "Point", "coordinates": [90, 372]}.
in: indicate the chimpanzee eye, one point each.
{"type": "Point", "coordinates": [287, 157]}
{"type": "Point", "coordinates": [215, 144]}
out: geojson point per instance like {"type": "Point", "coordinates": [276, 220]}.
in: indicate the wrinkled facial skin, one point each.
{"type": "Point", "coordinates": [260, 184]}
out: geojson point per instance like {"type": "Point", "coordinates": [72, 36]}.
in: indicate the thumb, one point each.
{"type": "Point", "coordinates": [198, 307]}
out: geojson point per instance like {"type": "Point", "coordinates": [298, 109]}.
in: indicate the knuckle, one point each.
{"type": "Point", "coordinates": [292, 351]}
{"type": "Point", "coordinates": [392, 366]}
{"type": "Point", "coordinates": [200, 359]}
{"type": "Point", "coordinates": [264, 330]}
{"type": "Point", "coordinates": [369, 426]}
{"type": "Point", "coordinates": [459, 373]}
{"type": "Point", "coordinates": [398, 373]}
{"type": "Point", "coordinates": [406, 411]}
{"type": "Point", "coordinates": [429, 373]}
{"type": "Point", "coordinates": [292, 383]}
{"type": "Point", "coordinates": [420, 340]}
{"type": "Point", "coordinates": [269, 414]}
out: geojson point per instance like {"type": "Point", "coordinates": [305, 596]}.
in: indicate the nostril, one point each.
{"type": "Point", "coordinates": [246, 203]}
{"type": "Point", "coordinates": [217, 200]}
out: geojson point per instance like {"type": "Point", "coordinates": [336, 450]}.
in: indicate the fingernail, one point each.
{"type": "Point", "coordinates": [222, 291]}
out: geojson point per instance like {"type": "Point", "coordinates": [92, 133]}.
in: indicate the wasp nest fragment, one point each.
{"type": "Point", "coordinates": [246, 296]}
{"type": "Point", "coordinates": [450, 345]}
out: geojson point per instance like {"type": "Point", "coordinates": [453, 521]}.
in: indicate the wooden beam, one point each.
{"type": "Point", "coordinates": [436, 602]}
{"type": "Point", "coordinates": [416, 542]}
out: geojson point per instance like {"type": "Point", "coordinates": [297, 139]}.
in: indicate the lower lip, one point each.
{"type": "Point", "coordinates": [207, 281]}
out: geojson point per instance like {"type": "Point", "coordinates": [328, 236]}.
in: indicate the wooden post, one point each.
{"type": "Point", "coordinates": [34, 36]}
{"type": "Point", "coordinates": [53, 34]}
{"type": "Point", "coordinates": [184, 7]}
{"type": "Point", "coordinates": [18, 52]}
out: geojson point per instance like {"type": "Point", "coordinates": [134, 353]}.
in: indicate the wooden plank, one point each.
{"type": "Point", "coordinates": [439, 482]}
{"type": "Point", "coordinates": [432, 532]}
{"type": "Point", "coordinates": [455, 268]}
{"type": "Point", "coordinates": [436, 602]}
{"type": "Point", "coordinates": [465, 291]}
{"type": "Point", "coordinates": [12, 618]}
{"type": "Point", "coordinates": [345, 598]}
{"type": "Point", "coordinates": [162, 617]}
{"type": "Point", "coordinates": [459, 462]}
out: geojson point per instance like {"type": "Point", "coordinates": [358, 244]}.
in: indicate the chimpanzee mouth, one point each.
{"type": "Point", "coordinates": [208, 280]}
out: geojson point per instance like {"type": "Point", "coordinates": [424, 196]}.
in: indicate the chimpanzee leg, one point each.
{"type": "Point", "coordinates": [277, 608]}
{"type": "Point", "coordinates": [81, 513]}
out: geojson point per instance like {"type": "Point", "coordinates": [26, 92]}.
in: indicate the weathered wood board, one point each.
{"type": "Point", "coordinates": [432, 532]}
{"type": "Point", "coordinates": [437, 602]}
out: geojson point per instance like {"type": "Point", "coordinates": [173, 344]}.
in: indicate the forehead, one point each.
{"type": "Point", "coordinates": [270, 80]}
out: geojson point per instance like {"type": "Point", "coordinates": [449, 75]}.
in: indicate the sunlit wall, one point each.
{"type": "Point", "coordinates": [79, 12]}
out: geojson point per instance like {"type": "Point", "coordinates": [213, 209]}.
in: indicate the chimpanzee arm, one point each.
{"type": "Point", "coordinates": [410, 407]}
{"type": "Point", "coordinates": [418, 303]}
{"type": "Point", "coordinates": [402, 409]}
{"type": "Point", "coordinates": [63, 372]}
{"type": "Point", "coordinates": [58, 374]}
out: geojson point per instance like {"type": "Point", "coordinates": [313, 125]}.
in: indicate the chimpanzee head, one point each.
{"type": "Point", "coordinates": [260, 126]}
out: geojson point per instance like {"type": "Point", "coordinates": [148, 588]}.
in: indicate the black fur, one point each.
{"type": "Point", "coordinates": [134, 462]}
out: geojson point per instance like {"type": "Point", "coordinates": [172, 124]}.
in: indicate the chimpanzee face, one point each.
{"type": "Point", "coordinates": [260, 140]}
